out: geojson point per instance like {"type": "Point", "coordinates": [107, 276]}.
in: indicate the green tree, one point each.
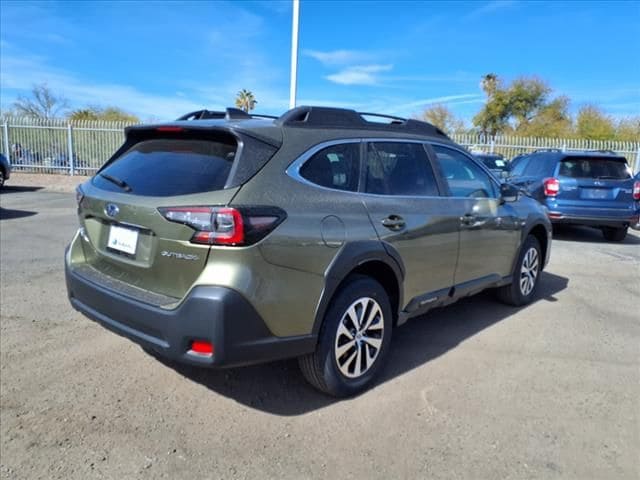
{"type": "Point", "coordinates": [245, 100]}
{"type": "Point", "coordinates": [43, 103]}
{"type": "Point", "coordinates": [592, 123]}
{"type": "Point", "coordinates": [628, 129]}
{"type": "Point", "coordinates": [551, 120]}
{"type": "Point", "coordinates": [443, 118]}
{"type": "Point", "coordinates": [523, 108]}
{"type": "Point", "coordinates": [526, 97]}
{"type": "Point", "coordinates": [107, 114]}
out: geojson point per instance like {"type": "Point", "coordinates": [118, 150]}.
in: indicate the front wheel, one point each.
{"type": "Point", "coordinates": [614, 234]}
{"type": "Point", "coordinates": [354, 339]}
{"type": "Point", "coordinates": [525, 277]}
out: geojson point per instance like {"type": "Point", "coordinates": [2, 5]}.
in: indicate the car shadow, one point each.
{"type": "Point", "coordinates": [279, 387]}
{"type": "Point", "coordinates": [572, 233]}
{"type": "Point", "coordinates": [18, 189]}
{"type": "Point", "coordinates": [6, 214]}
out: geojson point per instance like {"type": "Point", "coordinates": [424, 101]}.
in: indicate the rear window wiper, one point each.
{"type": "Point", "coordinates": [121, 183]}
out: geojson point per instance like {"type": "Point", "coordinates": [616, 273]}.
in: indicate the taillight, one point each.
{"type": "Point", "coordinates": [225, 225]}
{"type": "Point", "coordinates": [202, 348]}
{"type": "Point", "coordinates": [636, 190]}
{"type": "Point", "coordinates": [551, 187]}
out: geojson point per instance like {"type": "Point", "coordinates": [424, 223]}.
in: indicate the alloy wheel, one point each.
{"type": "Point", "coordinates": [529, 271]}
{"type": "Point", "coordinates": [359, 337]}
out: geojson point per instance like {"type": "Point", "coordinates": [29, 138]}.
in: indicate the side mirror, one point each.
{"type": "Point", "coordinates": [509, 193]}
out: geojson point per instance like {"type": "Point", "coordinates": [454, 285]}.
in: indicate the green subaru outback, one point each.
{"type": "Point", "coordinates": [225, 239]}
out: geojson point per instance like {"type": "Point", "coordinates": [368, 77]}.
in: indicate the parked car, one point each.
{"type": "Point", "coordinates": [5, 169]}
{"type": "Point", "coordinates": [494, 162]}
{"type": "Point", "coordinates": [225, 239]}
{"type": "Point", "coordinates": [593, 188]}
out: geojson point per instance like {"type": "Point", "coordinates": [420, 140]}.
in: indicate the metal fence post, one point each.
{"type": "Point", "coordinates": [492, 144]}
{"type": "Point", "coordinates": [5, 129]}
{"type": "Point", "coordinates": [70, 144]}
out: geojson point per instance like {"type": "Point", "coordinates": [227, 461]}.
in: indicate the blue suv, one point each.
{"type": "Point", "coordinates": [593, 188]}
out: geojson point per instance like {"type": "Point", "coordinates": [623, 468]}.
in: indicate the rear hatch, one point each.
{"type": "Point", "coordinates": [595, 183]}
{"type": "Point", "coordinates": [130, 240]}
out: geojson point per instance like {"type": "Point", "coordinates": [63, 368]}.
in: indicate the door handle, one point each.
{"type": "Point", "coordinates": [393, 222]}
{"type": "Point", "coordinates": [468, 219]}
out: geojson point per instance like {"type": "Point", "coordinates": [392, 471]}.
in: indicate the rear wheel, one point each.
{"type": "Point", "coordinates": [613, 234]}
{"type": "Point", "coordinates": [526, 275]}
{"type": "Point", "coordinates": [354, 339]}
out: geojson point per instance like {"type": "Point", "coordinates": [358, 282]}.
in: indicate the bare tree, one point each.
{"type": "Point", "coordinates": [43, 103]}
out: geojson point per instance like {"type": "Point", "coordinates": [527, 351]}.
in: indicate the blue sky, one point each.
{"type": "Point", "coordinates": [162, 59]}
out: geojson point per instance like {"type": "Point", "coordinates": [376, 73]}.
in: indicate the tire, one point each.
{"type": "Point", "coordinates": [612, 234]}
{"type": "Point", "coordinates": [1, 178]}
{"type": "Point", "coordinates": [525, 276]}
{"type": "Point", "coordinates": [333, 367]}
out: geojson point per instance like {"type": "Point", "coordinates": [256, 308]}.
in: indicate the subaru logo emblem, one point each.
{"type": "Point", "coordinates": [111, 210]}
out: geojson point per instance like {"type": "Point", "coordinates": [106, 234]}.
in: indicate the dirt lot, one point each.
{"type": "Point", "coordinates": [475, 391]}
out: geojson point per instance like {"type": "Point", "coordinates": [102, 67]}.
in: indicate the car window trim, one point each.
{"type": "Point", "coordinates": [293, 170]}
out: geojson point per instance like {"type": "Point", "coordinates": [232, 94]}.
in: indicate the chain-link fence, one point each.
{"type": "Point", "coordinates": [57, 146]}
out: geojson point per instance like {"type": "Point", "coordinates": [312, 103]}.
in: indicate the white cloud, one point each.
{"type": "Point", "coordinates": [359, 75]}
{"type": "Point", "coordinates": [339, 57]}
{"type": "Point", "coordinates": [448, 99]}
{"type": "Point", "coordinates": [19, 74]}
{"type": "Point", "coordinates": [490, 7]}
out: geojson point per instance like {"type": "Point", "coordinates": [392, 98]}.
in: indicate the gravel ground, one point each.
{"type": "Point", "coordinates": [478, 390]}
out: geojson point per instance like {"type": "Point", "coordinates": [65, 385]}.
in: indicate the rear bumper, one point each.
{"type": "Point", "coordinates": [592, 221]}
{"type": "Point", "coordinates": [594, 217]}
{"type": "Point", "coordinates": [216, 314]}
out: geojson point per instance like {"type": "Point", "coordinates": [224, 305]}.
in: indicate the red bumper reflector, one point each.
{"type": "Point", "coordinates": [202, 347]}
{"type": "Point", "coordinates": [555, 215]}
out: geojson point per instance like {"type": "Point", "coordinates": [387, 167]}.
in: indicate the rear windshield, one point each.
{"type": "Point", "coordinates": [593, 167]}
{"type": "Point", "coordinates": [168, 167]}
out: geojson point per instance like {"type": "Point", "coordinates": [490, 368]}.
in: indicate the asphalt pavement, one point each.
{"type": "Point", "coordinates": [477, 390]}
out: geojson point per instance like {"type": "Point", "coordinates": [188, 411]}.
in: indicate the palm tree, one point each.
{"type": "Point", "coordinates": [245, 100]}
{"type": "Point", "coordinates": [490, 83]}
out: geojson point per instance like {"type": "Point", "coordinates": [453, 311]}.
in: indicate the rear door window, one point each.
{"type": "Point", "coordinates": [594, 167]}
{"type": "Point", "coordinates": [540, 166]}
{"type": "Point", "coordinates": [337, 167]}
{"type": "Point", "coordinates": [399, 168]}
{"type": "Point", "coordinates": [168, 167]}
{"type": "Point", "coordinates": [518, 166]}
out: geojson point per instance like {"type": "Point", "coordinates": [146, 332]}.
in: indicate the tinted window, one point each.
{"type": "Point", "coordinates": [518, 165]}
{"type": "Point", "coordinates": [464, 177]}
{"type": "Point", "coordinates": [540, 166]}
{"type": "Point", "coordinates": [589, 167]}
{"type": "Point", "coordinates": [399, 168]}
{"type": "Point", "coordinates": [334, 167]}
{"type": "Point", "coordinates": [493, 162]}
{"type": "Point", "coordinates": [166, 167]}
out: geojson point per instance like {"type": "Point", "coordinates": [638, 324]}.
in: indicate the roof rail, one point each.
{"type": "Point", "coordinates": [558, 150]}
{"type": "Point", "coordinates": [575, 150]}
{"type": "Point", "coordinates": [229, 114]}
{"type": "Point", "coordinates": [308, 116]}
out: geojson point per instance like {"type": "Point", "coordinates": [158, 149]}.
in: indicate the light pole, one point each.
{"type": "Point", "coordinates": [294, 54]}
